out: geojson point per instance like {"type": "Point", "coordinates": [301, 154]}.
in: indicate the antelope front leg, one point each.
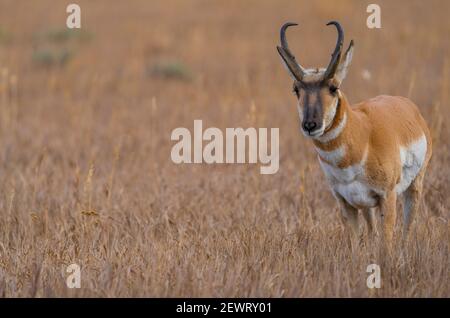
{"type": "Point", "coordinates": [388, 207]}
{"type": "Point", "coordinates": [349, 215]}
{"type": "Point", "coordinates": [369, 216]}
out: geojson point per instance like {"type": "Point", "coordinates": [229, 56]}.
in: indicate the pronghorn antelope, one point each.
{"type": "Point", "coordinates": [370, 152]}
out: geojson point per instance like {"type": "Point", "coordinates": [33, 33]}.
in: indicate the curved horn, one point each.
{"type": "Point", "coordinates": [288, 58]}
{"type": "Point", "coordinates": [336, 56]}
{"type": "Point", "coordinates": [283, 39]}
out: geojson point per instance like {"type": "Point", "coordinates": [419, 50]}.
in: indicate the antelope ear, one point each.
{"type": "Point", "coordinates": [341, 71]}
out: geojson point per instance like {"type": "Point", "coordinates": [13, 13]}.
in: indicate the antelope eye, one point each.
{"type": "Point", "coordinates": [333, 89]}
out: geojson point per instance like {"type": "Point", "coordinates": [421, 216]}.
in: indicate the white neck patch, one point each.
{"type": "Point", "coordinates": [333, 156]}
{"type": "Point", "coordinates": [334, 133]}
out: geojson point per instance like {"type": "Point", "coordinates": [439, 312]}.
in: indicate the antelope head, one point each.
{"type": "Point", "coordinates": [317, 90]}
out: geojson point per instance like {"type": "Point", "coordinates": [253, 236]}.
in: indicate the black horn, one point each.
{"type": "Point", "coordinates": [336, 56]}
{"type": "Point", "coordinates": [288, 58]}
{"type": "Point", "coordinates": [283, 39]}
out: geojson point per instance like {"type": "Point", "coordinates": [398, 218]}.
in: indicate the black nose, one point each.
{"type": "Point", "coordinates": [309, 125]}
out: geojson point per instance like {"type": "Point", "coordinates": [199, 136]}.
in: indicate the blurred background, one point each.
{"type": "Point", "coordinates": [85, 170]}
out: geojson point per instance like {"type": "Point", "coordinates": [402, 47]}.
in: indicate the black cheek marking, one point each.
{"type": "Point", "coordinates": [319, 98]}
{"type": "Point", "coordinates": [306, 104]}
{"type": "Point", "coordinates": [319, 105]}
{"type": "Point", "coordinates": [306, 113]}
{"type": "Point", "coordinates": [316, 113]}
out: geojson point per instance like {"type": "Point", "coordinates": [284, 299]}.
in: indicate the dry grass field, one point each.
{"type": "Point", "coordinates": [86, 175]}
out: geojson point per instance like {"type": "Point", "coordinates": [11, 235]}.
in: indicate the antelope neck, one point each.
{"type": "Point", "coordinates": [335, 147]}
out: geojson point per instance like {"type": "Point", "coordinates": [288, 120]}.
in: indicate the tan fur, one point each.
{"type": "Point", "coordinates": [382, 125]}
{"type": "Point", "coordinates": [370, 152]}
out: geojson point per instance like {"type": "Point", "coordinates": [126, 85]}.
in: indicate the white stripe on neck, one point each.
{"type": "Point", "coordinates": [334, 133]}
{"type": "Point", "coordinates": [333, 156]}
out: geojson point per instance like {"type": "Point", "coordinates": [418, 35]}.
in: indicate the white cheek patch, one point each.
{"type": "Point", "coordinates": [300, 112]}
{"type": "Point", "coordinates": [329, 116]}
{"type": "Point", "coordinates": [412, 158]}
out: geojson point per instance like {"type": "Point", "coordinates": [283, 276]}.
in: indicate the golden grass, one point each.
{"type": "Point", "coordinates": [85, 169]}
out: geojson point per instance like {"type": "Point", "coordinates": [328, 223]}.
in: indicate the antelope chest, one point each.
{"type": "Point", "coordinates": [350, 184]}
